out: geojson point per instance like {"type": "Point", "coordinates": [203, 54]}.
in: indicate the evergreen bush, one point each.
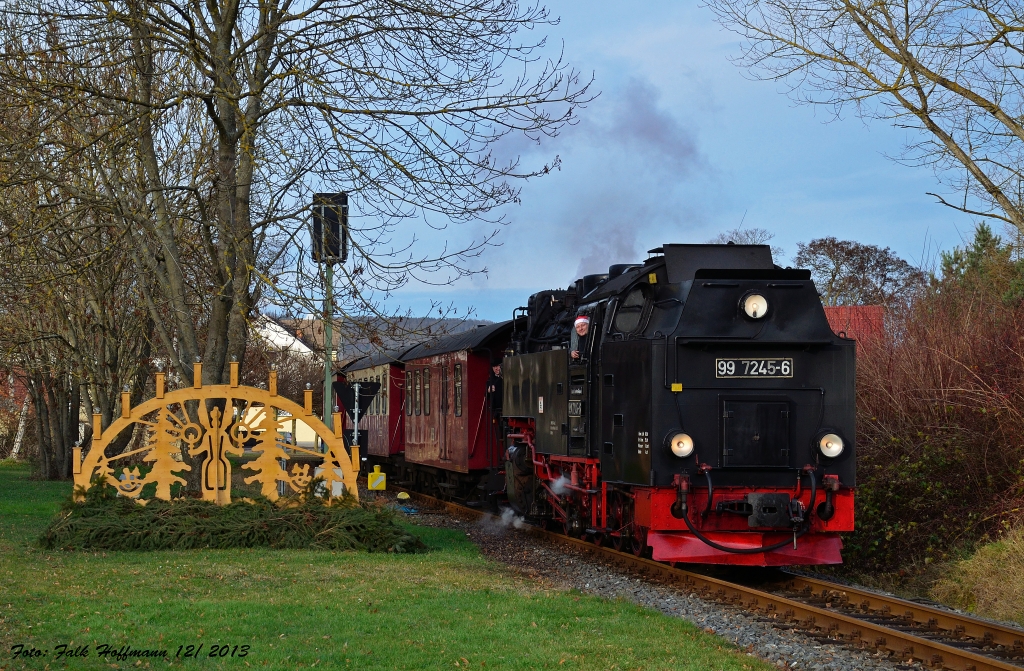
{"type": "Point", "coordinates": [105, 521]}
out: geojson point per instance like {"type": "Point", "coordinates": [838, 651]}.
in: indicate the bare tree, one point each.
{"type": "Point", "coordinates": [72, 325]}
{"type": "Point", "coordinates": [202, 129]}
{"type": "Point", "coordinates": [747, 236]}
{"type": "Point", "coordinates": [851, 273]}
{"type": "Point", "coordinates": [948, 68]}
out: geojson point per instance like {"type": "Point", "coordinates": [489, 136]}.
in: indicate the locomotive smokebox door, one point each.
{"type": "Point", "coordinates": [755, 433]}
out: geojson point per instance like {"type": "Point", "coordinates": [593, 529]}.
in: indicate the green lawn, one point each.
{"type": "Point", "coordinates": [445, 609]}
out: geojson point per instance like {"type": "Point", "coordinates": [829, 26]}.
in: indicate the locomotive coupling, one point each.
{"type": "Point", "coordinates": [681, 481]}
{"type": "Point", "coordinates": [830, 483]}
{"type": "Point", "coordinates": [796, 512]}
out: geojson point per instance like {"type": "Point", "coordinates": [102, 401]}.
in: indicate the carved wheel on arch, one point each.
{"type": "Point", "coordinates": [211, 423]}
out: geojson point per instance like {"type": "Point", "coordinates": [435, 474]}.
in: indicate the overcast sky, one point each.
{"type": "Point", "coordinates": [681, 145]}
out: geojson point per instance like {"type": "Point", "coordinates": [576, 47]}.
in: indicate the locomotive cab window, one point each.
{"type": "Point", "coordinates": [630, 311]}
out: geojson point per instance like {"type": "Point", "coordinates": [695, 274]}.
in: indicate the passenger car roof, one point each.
{"type": "Point", "coordinates": [393, 356]}
{"type": "Point", "coordinates": [475, 338]}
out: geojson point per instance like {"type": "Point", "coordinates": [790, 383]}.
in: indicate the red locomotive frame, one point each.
{"type": "Point", "coordinates": [636, 518]}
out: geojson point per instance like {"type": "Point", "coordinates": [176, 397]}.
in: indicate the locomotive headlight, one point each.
{"type": "Point", "coordinates": [681, 445]}
{"type": "Point", "coordinates": [755, 305]}
{"type": "Point", "coordinates": [831, 445]}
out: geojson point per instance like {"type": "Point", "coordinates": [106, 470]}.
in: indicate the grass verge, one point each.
{"type": "Point", "coordinates": [445, 609]}
{"type": "Point", "coordinates": [989, 582]}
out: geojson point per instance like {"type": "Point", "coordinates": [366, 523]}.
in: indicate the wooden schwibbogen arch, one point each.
{"type": "Point", "coordinates": [254, 427]}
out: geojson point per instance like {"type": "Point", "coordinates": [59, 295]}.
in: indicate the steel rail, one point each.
{"type": "Point", "coordinates": [927, 617]}
{"type": "Point", "coordinates": [827, 622]}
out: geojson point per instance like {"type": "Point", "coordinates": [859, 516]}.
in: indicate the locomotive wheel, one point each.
{"type": "Point", "coordinates": [573, 525]}
{"type": "Point", "coordinates": [639, 541]}
{"type": "Point", "coordinates": [621, 512]}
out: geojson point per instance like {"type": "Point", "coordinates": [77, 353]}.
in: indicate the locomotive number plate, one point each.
{"type": "Point", "coordinates": [726, 368]}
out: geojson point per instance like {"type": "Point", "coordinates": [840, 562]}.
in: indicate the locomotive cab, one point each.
{"type": "Point", "coordinates": [710, 419]}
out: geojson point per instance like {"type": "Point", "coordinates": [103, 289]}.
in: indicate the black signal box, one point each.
{"type": "Point", "coordinates": [330, 227]}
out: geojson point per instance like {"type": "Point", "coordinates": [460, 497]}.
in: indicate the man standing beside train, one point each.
{"type": "Point", "coordinates": [578, 342]}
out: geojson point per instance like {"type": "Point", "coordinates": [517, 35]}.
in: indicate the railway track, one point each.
{"type": "Point", "coordinates": [905, 629]}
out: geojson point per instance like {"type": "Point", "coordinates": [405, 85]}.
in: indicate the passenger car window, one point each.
{"type": "Point", "coordinates": [426, 391]}
{"type": "Point", "coordinates": [444, 389]}
{"type": "Point", "coordinates": [458, 390]}
{"type": "Point", "coordinates": [408, 392]}
{"type": "Point", "coordinates": [418, 375]}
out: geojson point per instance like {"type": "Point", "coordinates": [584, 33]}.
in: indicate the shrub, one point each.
{"type": "Point", "coordinates": [940, 408]}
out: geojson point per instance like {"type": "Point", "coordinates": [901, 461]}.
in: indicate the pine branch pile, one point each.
{"type": "Point", "coordinates": [105, 521]}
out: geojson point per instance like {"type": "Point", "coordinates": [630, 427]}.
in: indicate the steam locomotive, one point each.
{"type": "Point", "coordinates": [695, 407]}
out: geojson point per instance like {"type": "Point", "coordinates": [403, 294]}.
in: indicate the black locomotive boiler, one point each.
{"type": "Point", "coordinates": [696, 407]}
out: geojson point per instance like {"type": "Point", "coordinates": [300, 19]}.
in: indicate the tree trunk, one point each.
{"type": "Point", "coordinates": [42, 422]}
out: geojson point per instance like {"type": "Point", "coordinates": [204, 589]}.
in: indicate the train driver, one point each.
{"type": "Point", "coordinates": [578, 344]}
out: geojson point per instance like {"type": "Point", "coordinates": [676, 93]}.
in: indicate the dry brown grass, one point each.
{"type": "Point", "coordinates": [989, 583]}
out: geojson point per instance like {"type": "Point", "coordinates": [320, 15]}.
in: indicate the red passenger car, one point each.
{"type": "Point", "coordinates": [453, 437]}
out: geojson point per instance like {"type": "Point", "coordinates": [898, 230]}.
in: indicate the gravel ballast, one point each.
{"type": "Point", "coordinates": [569, 568]}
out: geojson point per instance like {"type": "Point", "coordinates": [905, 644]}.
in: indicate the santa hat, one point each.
{"type": "Point", "coordinates": [582, 319]}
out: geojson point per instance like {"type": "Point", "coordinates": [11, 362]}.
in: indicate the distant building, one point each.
{"type": "Point", "coordinates": [14, 409]}
{"type": "Point", "coordinates": [279, 337]}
